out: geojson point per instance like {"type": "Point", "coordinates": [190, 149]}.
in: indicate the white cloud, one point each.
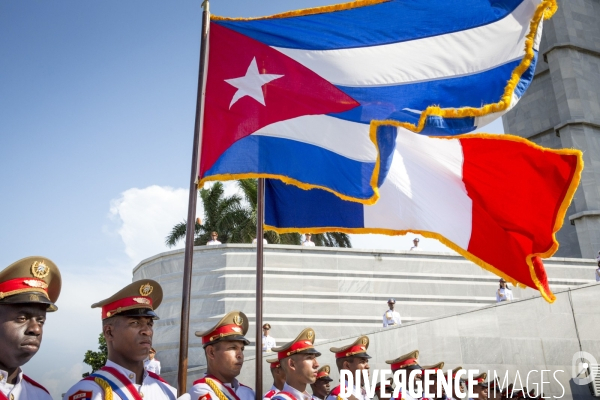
{"type": "Point", "coordinates": [146, 217]}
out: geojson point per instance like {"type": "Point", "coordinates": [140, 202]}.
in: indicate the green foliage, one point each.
{"type": "Point", "coordinates": [96, 359]}
{"type": "Point", "coordinates": [234, 218]}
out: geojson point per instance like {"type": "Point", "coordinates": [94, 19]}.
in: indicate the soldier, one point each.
{"type": "Point", "coordinates": [151, 363]}
{"type": "Point", "coordinates": [454, 394]}
{"type": "Point", "coordinates": [494, 390]}
{"type": "Point", "coordinates": [433, 378]}
{"type": "Point", "coordinates": [391, 317]}
{"type": "Point", "coordinates": [28, 289]}
{"type": "Point", "coordinates": [127, 324]}
{"type": "Point", "coordinates": [278, 378]}
{"type": "Point", "coordinates": [480, 388]}
{"type": "Point", "coordinates": [352, 358]}
{"type": "Point", "coordinates": [298, 359]}
{"type": "Point", "coordinates": [409, 362]}
{"type": "Point", "coordinates": [321, 386]}
{"type": "Point", "coordinates": [224, 349]}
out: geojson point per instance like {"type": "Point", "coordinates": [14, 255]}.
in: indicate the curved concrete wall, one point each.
{"type": "Point", "coordinates": [338, 292]}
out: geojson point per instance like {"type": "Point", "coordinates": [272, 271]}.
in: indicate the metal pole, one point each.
{"type": "Point", "coordinates": [191, 217]}
{"type": "Point", "coordinates": [260, 218]}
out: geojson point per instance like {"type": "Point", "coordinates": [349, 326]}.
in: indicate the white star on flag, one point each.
{"type": "Point", "coordinates": [251, 84]}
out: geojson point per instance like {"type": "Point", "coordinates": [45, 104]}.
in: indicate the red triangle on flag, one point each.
{"type": "Point", "coordinates": [297, 91]}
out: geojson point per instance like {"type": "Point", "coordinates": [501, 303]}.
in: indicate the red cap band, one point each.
{"type": "Point", "coordinates": [351, 351]}
{"type": "Point", "coordinates": [127, 303]}
{"type": "Point", "coordinates": [322, 374]}
{"type": "Point", "coordinates": [20, 285]}
{"type": "Point", "coordinates": [222, 331]}
{"type": "Point", "coordinates": [410, 361]}
{"type": "Point", "coordinates": [276, 365]}
{"type": "Point", "coordinates": [296, 347]}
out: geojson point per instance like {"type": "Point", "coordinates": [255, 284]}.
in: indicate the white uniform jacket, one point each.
{"type": "Point", "coordinates": [233, 391]}
{"type": "Point", "coordinates": [359, 393]}
{"type": "Point", "coordinates": [391, 318]}
{"type": "Point", "coordinates": [272, 392]}
{"type": "Point", "coordinates": [152, 366]}
{"type": "Point", "coordinates": [153, 387]}
{"type": "Point", "coordinates": [289, 393]}
{"type": "Point", "coordinates": [24, 388]}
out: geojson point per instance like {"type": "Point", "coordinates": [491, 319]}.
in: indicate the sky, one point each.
{"type": "Point", "coordinates": [97, 103]}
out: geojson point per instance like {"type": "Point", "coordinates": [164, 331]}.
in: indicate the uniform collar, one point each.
{"type": "Point", "coordinates": [127, 373]}
{"type": "Point", "coordinates": [297, 394]}
{"type": "Point", "coordinates": [273, 387]}
{"type": "Point", "coordinates": [235, 384]}
{"type": "Point", "coordinates": [4, 377]}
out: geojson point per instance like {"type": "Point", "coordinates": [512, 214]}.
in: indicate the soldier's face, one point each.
{"type": "Point", "coordinates": [357, 363]}
{"type": "Point", "coordinates": [304, 367]}
{"type": "Point", "coordinates": [481, 391]}
{"type": "Point", "coordinates": [227, 358]}
{"type": "Point", "coordinates": [320, 388]}
{"type": "Point", "coordinates": [130, 337]}
{"type": "Point", "coordinates": [21, 329]}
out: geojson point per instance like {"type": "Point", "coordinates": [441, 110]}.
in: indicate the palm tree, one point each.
{"type": "Point", "coordinates": [234, 218]}
{"type": "Point", "coordinates": [221, 214]}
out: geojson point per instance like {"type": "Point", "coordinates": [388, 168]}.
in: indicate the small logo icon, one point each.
{"type": "Point", "coordinates": [39, 269]}
{"type": "Point", "coordinates": [580, 368]}
{"type": "Point", "coordinates": [310, 334]}
{"type": "Point", "coordinates": [238, 320]}
{"type": "Point", "coordinates": [146, 289]}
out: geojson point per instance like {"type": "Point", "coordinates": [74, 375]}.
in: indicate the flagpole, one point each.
{"type": "Point", "coordinates": [191, 217]}
{"type": "Point", "coordinates": [260, 218]}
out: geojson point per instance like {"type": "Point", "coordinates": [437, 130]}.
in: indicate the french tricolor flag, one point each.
{"type": "Point", "coordinates": [498, 200]}
{"type": "Point", "coordinates": [297, 96]}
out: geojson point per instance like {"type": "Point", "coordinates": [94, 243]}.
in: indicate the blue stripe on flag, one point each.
{"type": "Point", "coordinates": [384, 23]}
{"type": "Point", "coordinates": [320, 208]}
{"type": "Point", "coordinates": [401, 102]}
{"type": "Point", "coordinates": [301, 161]}
{"type": "Point", "coordinates": [310, 208]}
{"type": "Point", "coordinates": [392, 102]}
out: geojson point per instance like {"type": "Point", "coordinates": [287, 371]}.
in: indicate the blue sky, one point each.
{"type": "Point", "coordinates": [97, 104]}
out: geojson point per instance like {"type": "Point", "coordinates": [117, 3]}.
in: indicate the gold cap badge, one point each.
{"type": "Point", "coordinates": [39, 269]}
{"type": "Point", "coordinates": [146, 289]}
{"type": "Point", "coordinates": [238, 320]}
{"type": "Point", "coordinates": [309, 334]}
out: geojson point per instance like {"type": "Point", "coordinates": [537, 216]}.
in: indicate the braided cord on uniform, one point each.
{"type": "Point", "coordinates": [108, 393]}
{"type": "Point", "coordinates": [215, 389]}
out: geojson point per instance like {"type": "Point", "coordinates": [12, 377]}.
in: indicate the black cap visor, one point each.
{"type": "Point", "coordinates": [326, 379]}
{"type": "Point", "coordinates": [137, 312]}
{"type": "Point", "coordinates": [310, 350]}
{"type": "Point", "coordinates": [231, 338]}
{"type": "Point", "coordinates": [30, 298]}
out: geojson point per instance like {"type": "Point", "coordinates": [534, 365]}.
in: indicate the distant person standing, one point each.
{"type": "Point", "coordinates": [391, 317]}
{"type": "Point", "coordinates": [598, 273]}
{"type": "Point", "coordinates": [416, 245]}
{"type": "Point", "coordinates": [213, 239]}
{"type": "Point", "coordinates": [152, 364]}
{"type": "Point", "coordinates": [307, 241]}
{"type": "Point", "coordinates": [267, 341]}
{"type": "Point", "coordinates": [503, 293]}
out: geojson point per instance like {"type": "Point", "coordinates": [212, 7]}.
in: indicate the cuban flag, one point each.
{"type": "Point", "coordinates": [297, 96]}
{"type": "Point", "coordinates": [498, 200]}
